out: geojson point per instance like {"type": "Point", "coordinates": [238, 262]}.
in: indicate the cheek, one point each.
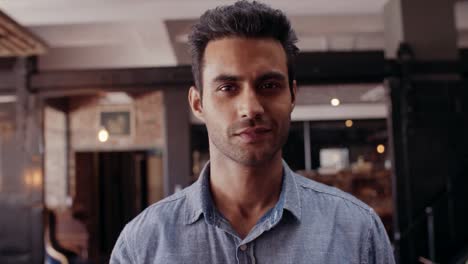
{"type": "Point", "coordinates": [218, 111]}
{"type": "Point", "coordinates": [215, 120]}
{"type": "Point", "coordinates": [281, 109]}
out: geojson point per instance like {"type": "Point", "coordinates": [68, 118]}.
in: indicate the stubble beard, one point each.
{"type": "Point", "coordinates": [250, 156]}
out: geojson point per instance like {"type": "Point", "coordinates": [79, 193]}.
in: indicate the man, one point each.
{"type": "Point", "coordinates": [248, 206]}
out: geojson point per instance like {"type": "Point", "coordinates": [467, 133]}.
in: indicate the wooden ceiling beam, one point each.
{"type": "Point", "coordinates": [13, 50]}
{"type": "Point", "coordinates": [311, 69]}
{"type": "Point", "coordinates": [16, 40]}
{"type": "Point", "coordinates": [107, 79]}
{"type": "Point", "coordinates": [18, 37]}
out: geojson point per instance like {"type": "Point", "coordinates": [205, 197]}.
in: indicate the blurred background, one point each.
{"type": "Point", "coordinates": [95, 124]}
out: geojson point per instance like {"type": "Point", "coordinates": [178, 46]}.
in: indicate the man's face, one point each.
{"type": "Point", "coordinates": [246, 99]}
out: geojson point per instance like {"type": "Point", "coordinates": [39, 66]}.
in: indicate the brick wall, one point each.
{"type": "Point", "coordinates": [146, 117]}
{"type": "Point", "coordinates": [146, 114]}
{"type": "Point", "coordinates": [55, 181]}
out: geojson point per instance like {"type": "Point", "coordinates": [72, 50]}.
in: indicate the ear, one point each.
{"type": "Point", "coordinates": [294, 95]}
{"type": "Point", "coordinates": [195, 102]}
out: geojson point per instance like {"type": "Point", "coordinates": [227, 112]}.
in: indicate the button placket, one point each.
{"type": "Point", "coordinates": [243, 254]}
{"type": "Point", "coordinates": [243, 247]}
{"type": "Point", "coordinates": [251, 254]}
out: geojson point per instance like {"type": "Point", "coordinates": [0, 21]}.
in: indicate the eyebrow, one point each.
{"type": "Point", "coordinates": [272, 75]}
{"type": "Point", "coordinates": [226, 78]}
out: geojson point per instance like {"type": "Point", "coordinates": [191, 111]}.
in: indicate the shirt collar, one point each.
{"type": "Point", "coordinates": [290, 189]}
{"type": "Point", "coordinates": [199, 199]}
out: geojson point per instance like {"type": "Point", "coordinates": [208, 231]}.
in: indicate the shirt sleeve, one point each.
{"type": "Point", "coordinates": [121, 252]}
{"type": "Point", "coordinates": [379, 249]}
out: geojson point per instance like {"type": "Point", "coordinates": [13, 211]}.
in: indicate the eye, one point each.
{"type": "Point", "coordinates": [269, 86]}
{"type": "Point", "coordinates": [226, 88]}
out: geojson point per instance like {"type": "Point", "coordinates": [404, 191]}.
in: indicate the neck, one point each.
{"type": "Point", "coordinates": [244, 193]}
{"type": "Point", "coordinates": [246, 186]}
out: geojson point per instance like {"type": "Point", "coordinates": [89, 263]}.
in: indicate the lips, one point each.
{"type": "Point", "coordinates": [254, 134]}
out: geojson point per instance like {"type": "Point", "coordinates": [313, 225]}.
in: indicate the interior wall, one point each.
{"type": "Point", "coordinates": [146, 133]}
{"type": "Point", "coordinates": [55, 165]}
{"type": "Point", "coordinates": [146, 113]}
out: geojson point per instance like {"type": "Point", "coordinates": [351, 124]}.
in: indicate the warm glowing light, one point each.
{"type": "Point", "coordinates": [33, 177]}
{"type": "Point", "coordinates": [103, 135]}
{"type": "Point", "coordinates": [349, 123]}
{"type": "Point", "coordinates": [36, 176]}
{"type": "Point", "coordinates": [335, 102]}
{"type": "Point", "coordinates": [380, 148]}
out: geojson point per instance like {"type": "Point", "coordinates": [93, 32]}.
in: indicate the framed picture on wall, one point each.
{"type": "Point", "coordinates": [118, 121]}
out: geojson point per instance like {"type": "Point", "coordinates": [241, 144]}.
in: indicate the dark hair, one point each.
{"type": "Point", "coordinates": [242, 19]}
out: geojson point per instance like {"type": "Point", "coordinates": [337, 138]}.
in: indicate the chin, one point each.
{"type": "Point", "coordinates": [256, 159]}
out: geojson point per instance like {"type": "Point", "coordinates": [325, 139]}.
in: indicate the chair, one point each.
{"type": "Point", "coordinates": [54, 253]}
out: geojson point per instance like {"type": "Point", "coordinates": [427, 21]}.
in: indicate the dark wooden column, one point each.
{"type": "Point", "coordinates": [21, 201]}
{"type": "Point", "coordinates": [177, 163]}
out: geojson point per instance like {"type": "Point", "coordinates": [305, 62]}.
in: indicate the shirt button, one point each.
{"type": "Point", "coordinates": [243, 247]}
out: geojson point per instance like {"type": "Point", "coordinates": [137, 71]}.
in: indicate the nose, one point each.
{"type": "Point", "coordinates": [250, 105]}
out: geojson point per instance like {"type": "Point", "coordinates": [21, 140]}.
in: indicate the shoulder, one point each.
{"type": "Point", "coordinates": [142, 236]}
{"type": "Point", "coordinates": [152, 220]}
{"type": "Point", "coordinates": [347, 216]}
{"type": "Point", "coordinates": [327, 198]}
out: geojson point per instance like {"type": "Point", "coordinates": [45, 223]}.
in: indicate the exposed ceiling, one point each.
{"type": "Point", "coordinates": [89, 34]}
{"type": "Point", "coordinates": [16, 40]}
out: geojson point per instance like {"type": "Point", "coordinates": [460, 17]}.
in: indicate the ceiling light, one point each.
{"type": "Point", "coordinates": [335, 102]}
{"type": "Point", "coordinates": [113, 98]}
{"type": "Point", "coordinates": [103, 135]}
{"type": "Point", "coordinates": [349, 123]}
{"type": "Point", "coordinates": [380, 149]}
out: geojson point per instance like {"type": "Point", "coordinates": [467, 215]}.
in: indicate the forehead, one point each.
{"type": "Point", "coordinates": [244, 57]}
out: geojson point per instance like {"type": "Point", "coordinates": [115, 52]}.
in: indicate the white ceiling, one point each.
{"type": "Point", "coordinates": [90, 34]}
{"type": "Point", "coordinates": [46, 12]}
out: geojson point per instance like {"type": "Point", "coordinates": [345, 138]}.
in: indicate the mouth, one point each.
{"type": "Point", "coordinates": [254, 134]}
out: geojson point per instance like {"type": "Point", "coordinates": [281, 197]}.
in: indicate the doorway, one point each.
{"type": "Point", "coordinates": [111, 189]}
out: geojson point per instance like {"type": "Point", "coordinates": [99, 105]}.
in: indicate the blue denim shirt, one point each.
{"type": "Point", "coordinates": [311, 223]}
